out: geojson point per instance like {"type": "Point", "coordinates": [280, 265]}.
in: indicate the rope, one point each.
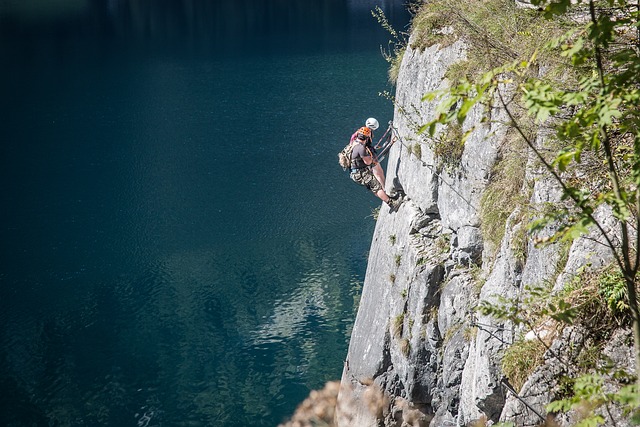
{"type": "Point", "coordinates": [508, 386]}
{"type": "Point", "coordinates": [433, 169]}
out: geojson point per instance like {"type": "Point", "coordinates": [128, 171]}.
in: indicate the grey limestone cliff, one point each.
{"type": "Point", "coordinates": [418, 336]}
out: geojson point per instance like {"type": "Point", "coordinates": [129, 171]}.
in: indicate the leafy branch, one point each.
{"type": "Point", "coordinates": [597, 117]}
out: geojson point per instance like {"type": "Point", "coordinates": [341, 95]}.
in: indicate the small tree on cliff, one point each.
{"type": "Point", "coordinates": [595, 116]}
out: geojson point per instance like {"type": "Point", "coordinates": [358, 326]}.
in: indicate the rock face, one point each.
{"type": "Point", "coordinates": [418, 336]}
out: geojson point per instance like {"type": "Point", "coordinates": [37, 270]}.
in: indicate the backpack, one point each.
{"type": "Point", "coordinates": [344, 157]}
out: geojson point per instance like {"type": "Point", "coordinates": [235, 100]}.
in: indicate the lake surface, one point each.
{"type": "Point", "coordinates": [179, 245]}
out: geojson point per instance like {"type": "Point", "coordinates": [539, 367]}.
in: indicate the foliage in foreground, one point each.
{"type": "Point", "coordinates": [594, 119]}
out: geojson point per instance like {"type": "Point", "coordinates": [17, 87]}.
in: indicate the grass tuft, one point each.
{"type": "Point", "coordinates": [521, 359]}
{"type": "Point", "coordinates": [397, 326]}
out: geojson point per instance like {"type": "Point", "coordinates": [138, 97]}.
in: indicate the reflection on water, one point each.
{"type": "Point", "coordinates": [200, 338]}
{"type": "Point", "coordinates": [290, 316]}
{"type": "Point", "coordinates": [179, 245]}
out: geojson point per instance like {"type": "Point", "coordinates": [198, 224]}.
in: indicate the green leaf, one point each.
{"type": "Point", "coordinates": [466, 135]}
{"type": "Point", "coordinates": [431, 96]}
{"type": "Point", "coordinates": [609, 110]}
{"type": "Point", "coordinates": [558, 8]}
{"type": "Point", "coordinates": [571, 48]}
{"type": "Point", "coordinates": [464, 109]}
{"type": "Point", "coordinates": [578, 229]}
{"type": "Point", "coordinates": [564, 158]}
{"type": "Point", "coordinates": [592, 421]}
{"type": "Point", "coordinates": [559, 406]}
{"type": "Point", "coordinates": [432, 129]}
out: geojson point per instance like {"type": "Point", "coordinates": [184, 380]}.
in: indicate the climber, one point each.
{"type": "Point", "coordinates": [372, 124]}
{"type": "Point", "coordinates": [363, 161]}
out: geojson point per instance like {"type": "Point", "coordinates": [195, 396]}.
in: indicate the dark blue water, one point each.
{"type": "Point", "coordinates": [179, 245]}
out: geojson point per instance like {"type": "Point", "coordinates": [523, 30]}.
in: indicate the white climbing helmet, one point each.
{"type": "Point", "coordinates": [372, 123]}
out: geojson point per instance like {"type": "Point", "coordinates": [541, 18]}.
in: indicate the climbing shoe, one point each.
{"type": "Point", "coordinates": [394, 204]}
{"type": "Point", "coordinates": [396, 193]}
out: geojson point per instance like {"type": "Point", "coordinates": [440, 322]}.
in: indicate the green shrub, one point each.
{"type": "Point", "coordinates": [428, 24]}
{"type": "Point", "coordinates": [495, 32]}
{"type": "Point", "coordinates": [600, 299]}
{"type": "Point", "coordinates": [612, 288]}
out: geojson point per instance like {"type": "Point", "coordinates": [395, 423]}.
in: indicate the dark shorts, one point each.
{"type": "Point", "coordinates": [365, 177]}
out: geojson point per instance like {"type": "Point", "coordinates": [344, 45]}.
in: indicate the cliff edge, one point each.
{"type": "Point", "coordinates": [419, 343]}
